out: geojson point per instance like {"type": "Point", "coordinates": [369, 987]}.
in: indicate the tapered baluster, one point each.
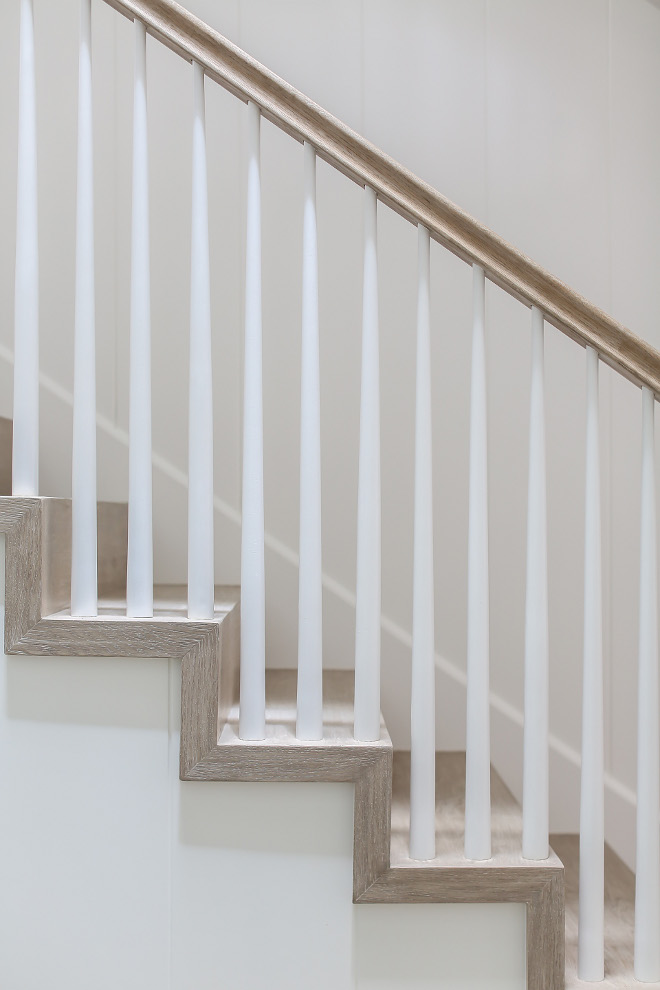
{"type": "Point", "coordinates": [25, 467]}
{"type": "Point", "coordinates": [477, 756]}
{"type": "Point", "coordinates": [368, 587]}
{"type": "Point", "coordinates": [139, 578]}
{"type": "Point", "coordinates": [83, 487]}
{"type": "Point", "coordinates": [592, 836]}
{"type": "Point", "coordinates": [309, 724]}
{"type": "Point", "coordinates": [200, 420]}
{"type": "Point", "coordinates": [253, 584]}
{"type": "Point", "coordinates": [647, 887]}
{"type": "Point", "coordinates": [422, 709]}
{"type": "Point", "coordinates": [535, 756]}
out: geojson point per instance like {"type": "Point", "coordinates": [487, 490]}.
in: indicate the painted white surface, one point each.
{"type": "Point", "coordinates": [25, 467]}
{"type": "Point", "coordinates": [83, 477]}
{"type": "Point", "coordinates": [368, 579]}
{"type": "Point", "coordinates": [591, 937]}
{"type": "Point", "coordinates": [588, 207]}
{"type": "Point", "coordinates": [140, 564]}
{"type": "Point", "coordinates": [121, 875]}
{"type": "Point", "coordinates": [536, 756]}
{"type": "Point", "coordinates": [477, 731]}
{"type": "Point", "coordinates": [309, 717]}
{"type": "Point", "coordinates": [200, 386]}
{"type": "Point", "coordinates": [647, 886]}
{"type": "Point", "coordinates": [253, 570]}
{"type": "Point", "coordinates": [422, 689]}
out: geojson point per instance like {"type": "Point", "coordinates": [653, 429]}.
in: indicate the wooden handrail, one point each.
{"type": "Point", "coordinates": [409, 196]}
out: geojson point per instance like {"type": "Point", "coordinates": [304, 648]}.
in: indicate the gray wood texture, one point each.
{"type": "Point", "coordinates": [395, 186]}
{"type": "Point", "coordinates": [6, 442]}
{"type": "Point", "coordinates": [38, 622]}
{"type": "Point", "coordinates": [619, 918]}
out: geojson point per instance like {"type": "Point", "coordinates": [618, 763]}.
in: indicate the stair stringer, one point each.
{"type": "Point", "coordinates": [211, 750]}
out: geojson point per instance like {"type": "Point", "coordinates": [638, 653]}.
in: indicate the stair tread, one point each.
{"type": "Point", "coordinates": [619, 917]}
{"type": "Point", "coordinates": [170, 603]}
{"type": "Point", "coordinates": [506, 818]}
{"type": "Point", "coordinates": [281, 691]}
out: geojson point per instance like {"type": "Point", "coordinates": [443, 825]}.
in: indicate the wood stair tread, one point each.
{"type": "Point", "coordinates": [619, 918]}
{"type": "Point", "coordinates": [506, 819]}
{"type": "Point", "coordinates": [281, 687]}
{"type": "Point", "coordinates": [170, 604]}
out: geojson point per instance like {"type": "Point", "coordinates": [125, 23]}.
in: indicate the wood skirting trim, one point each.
{"type": "Point", "coordinates": [212, 751]}
{"type": "Point", "coordinates": [415, 200]}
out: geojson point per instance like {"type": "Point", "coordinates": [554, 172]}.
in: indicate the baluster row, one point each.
{"type": "Point", "coordinates": [535, 840]}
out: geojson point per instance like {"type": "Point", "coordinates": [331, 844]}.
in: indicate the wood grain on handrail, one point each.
{"type": "Point", "coordinates": [409, 196]}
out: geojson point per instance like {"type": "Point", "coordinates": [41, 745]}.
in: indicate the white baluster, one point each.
{"type": "Point", "coordinates": [25, 466]}
{"type": "Point", "coordinates": [83, 487]}
{"type": "Point", "coordinates": [139, 577]}
{"type": "Point", "coordinates": [592, 811]}
{"type": "Point", "coordinates": [253, 582]}
{"type": "Point", "coordinates": [200, 421]}
{"type": "Point", "coordinates": [368, 585]}
{"type": "Point", "coordinates": [422, 709]}
{"type": "Point", "coordinates": [477, 755]}
{"type": "Point", "coordinates": [309, 723]}
{"type": "Point", "coordinates": [535, 755]}
{"type": "Point", "coordinates": [647, 887]}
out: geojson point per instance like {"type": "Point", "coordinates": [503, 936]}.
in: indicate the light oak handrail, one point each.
{"type": "Point", "coordinates": [409, 196]}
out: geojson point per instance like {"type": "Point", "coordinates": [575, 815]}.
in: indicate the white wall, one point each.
{"type": "Point", "coordinates": [116, 874]}
{"type": "Point", "coordinates": [541, 120]}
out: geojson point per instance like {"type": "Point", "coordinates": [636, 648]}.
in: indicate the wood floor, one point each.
{"type": "Point", "coordinates": [619, 918]}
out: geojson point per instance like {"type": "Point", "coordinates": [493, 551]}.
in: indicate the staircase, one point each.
{"type": "Point", "coordinates": [428, 826]}
{"type": "Point", "coordinates": [39, 623]}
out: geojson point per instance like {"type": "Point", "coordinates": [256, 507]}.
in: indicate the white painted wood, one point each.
{"type": "Point", "coordinates": [422, 707]}
{"type": "Point", "coordinates": [83, 483]}
{"type": "Point", "coordinates": [535, 746]}
{"type": "Point", "coordinates": [200, 419]}
{"type": "Point", "coordinates": [309, 724]}
{"type": "Point", "coordinates": [25, 466]}
{"type": "Point", "coordinates": [96, 742]}
{"type": "Point", "coordinates": [368, 584]}
{"type": "Point", "coordinates": [591, 943]}
{"type": "Point", "coordinates": [253, 580]}
{"type": "Point", "coordinates": [647, 888]}
{"type": "Point", "coordinates": [140, 567]}
{"type": "Point", "coordinates": [477, 756]}
{"type": "Point", "coordinates": [84, 769]}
